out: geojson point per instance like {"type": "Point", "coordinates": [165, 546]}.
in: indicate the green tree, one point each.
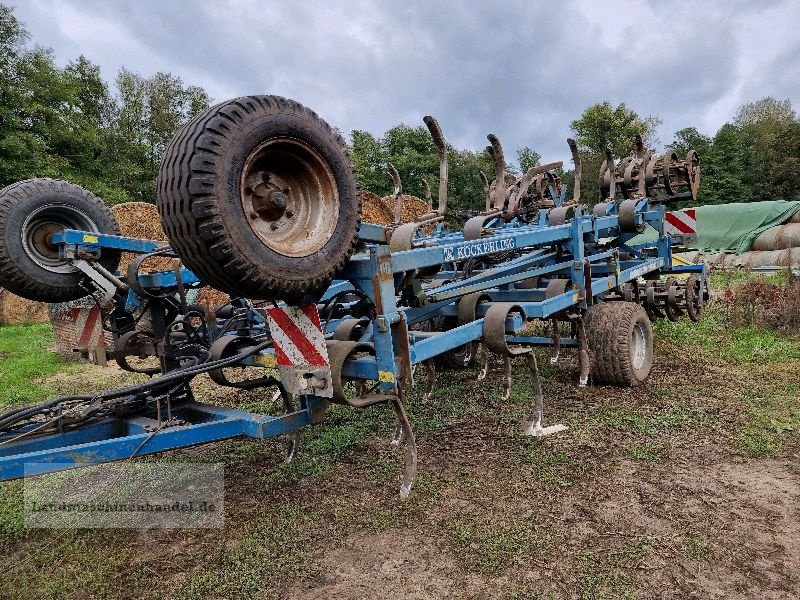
{"type": "Point", "coordinates": [527, 157]}
{"type": "Point", "coordinates": [603, 126]}
{"type": "Point", "coordinates": [723, 169]}
{"type": "Point", "coordinates": [769, 130]}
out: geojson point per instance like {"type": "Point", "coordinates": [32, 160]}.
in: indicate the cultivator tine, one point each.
{"type": "Point", "coordinates": [583, 355]}
{"type": "Point", "coordinates": [483, 357]}
{"type": "Point", "coordinates": [507, 379]}
{"type": "Point", "coordinates": [496, 150]}
{"type": "Point", "coordinates": [555, 336]}
{"type": "Point", "coordinates": [398, 194]}
{"type": "Point", "coordinates": [534, 427]}
{"type": "Point", "coordinates": [430, 380]}
{"type": "Point", "coordinates": [406, 435]}
{"type": "Point", "coordinates": [576, 160]}
{"type": "Point", "coordinates": [441, 146]}
{"type": "Point", "coordinates": [426, 188]}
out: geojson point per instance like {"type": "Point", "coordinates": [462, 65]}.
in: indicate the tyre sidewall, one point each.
{"type": "Point", "coordinates": [47, 285]}
{"type": "Point", "coordinates": [252, 134]}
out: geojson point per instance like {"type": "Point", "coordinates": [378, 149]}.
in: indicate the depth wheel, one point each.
{"type": "Point", "coordinates": [620, 337]}
{"type": "Point", "coordinates": [30, 212]}
{"type": "Point", "coordinates": [258, 197]}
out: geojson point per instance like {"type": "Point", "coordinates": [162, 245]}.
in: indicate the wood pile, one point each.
{"type": "Point", "coordinates": [380, 211]}
{"type": "Point", "coordinates": [18, 311]}
{"type": "Point", "coordinates": [140, 220]}
{"type": "Point", "coordinates": [412, 207]}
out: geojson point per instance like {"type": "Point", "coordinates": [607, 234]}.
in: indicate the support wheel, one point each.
{"type": "Point", "coordinates": [620, 338]}
{"type": "Point", "coordinates": [258, 197]}
{"type": "Point", "coordinates": [30, 212]}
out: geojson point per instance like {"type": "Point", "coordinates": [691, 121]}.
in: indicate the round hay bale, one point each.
{"type": "Point", "coordinates": [15, 310]}
{"type": "Point", "coordinates": [765, 258]}
{"type": "Point", "coordinates": [140, 220]}
{"type": "Point", "coordinates": [730, 260]}
{"type": "Point", "coordinates": [794, 257]}
{"type": "Point", "coordinates": [690, 257]}
{"type": "Point", "coordinates": [778, 238]}
{"type": "Point", "coordinates": [788, 236]}
{"type": "Point", "coordinates": [795, 218]}
{"type": "Point", "coordinates": [767, 240]}
{"type": "Point", "coordinates": [374, 210]}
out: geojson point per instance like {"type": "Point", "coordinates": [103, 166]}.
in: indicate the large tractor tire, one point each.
{"type": "Point", "coordinates": [32, 210]}
{"type": "Point", "coordinates": [620, 338]}
{"type": "Point", "coordinates": [257, 196]}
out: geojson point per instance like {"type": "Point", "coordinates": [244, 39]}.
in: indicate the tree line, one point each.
{"type": "Point", "coordinates": [69, 123]}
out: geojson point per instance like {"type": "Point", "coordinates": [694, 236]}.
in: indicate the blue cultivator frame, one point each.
{"type": "Point", "coordinates": [406, 298]}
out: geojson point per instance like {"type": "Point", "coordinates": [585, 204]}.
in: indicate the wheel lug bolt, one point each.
{"type": "Point", "coordinates": [273, 226]}
{"type": "Point", "coordinates": [253, 215]}
{"type": "Point", "coordinates": [289, 214]}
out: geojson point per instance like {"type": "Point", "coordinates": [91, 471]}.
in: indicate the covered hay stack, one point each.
{"type": "Point", "coordinates": [18, 311]}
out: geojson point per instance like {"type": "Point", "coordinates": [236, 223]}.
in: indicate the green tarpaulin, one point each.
{"type": "Point", "coordinates": [733, 227]}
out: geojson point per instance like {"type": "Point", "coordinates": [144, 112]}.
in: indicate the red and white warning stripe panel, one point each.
{"type": "Point", "coordinates": [681, 223]}
{"type": "Point", "coordinates": [88, 327]}
{"type": "Point", "coordinates": [297, 335]}
{"type": "Point", "coordinates": [300, 349]}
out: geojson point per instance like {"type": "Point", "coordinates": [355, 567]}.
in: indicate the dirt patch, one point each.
{"type": "Point", "coordinates": [400, 563]}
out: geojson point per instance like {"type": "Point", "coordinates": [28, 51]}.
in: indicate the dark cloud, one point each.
{"type": "Point", "coordinates": [523, 69]}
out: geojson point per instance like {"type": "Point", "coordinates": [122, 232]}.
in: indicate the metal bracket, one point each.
{"type": "Point", "coordinates": [108, 286]}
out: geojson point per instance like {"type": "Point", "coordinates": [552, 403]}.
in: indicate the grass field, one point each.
{"type": "Point", "coordinates": [686, 487]}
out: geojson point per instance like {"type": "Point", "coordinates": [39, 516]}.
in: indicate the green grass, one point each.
{"type": "Point", "coordinates": [733, 344]}
{"type": "Point", "coordinates": [773, 414]}
{"type": "Point", "coordinates": [649, 423]}
{"type": "Point", "coordinates": [24, 359]}
{"type": "Point", "coordinates": [491, 548]}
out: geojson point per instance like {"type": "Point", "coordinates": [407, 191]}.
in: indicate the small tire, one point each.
{"type": "Point", "coordinates": [620, 338]}
{"type": "Point", "coordinates": [30, 211]}
{"type": "Point", "coordinates": [257, 196]}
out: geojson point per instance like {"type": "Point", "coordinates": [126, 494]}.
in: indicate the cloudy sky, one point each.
{"type": "Point", "coordinates": [521, 69]}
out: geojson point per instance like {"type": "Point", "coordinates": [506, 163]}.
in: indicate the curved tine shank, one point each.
{"type": "Point", "coordinates": [426, 188]}
{"type": "Point", "coordinates": [499, 171]}
{"type": "Point", "coordinates": [576, 160]}
{"type": "Point", "coordinates": [485, 182]}
{"type": "Point", "coordinates": [441, 146]}
{"type": "Point", "coordinates": [398, 193]}
{"type": "Point", "coordinates": [612, 177]}
{"type": "Point", "coordinates": [527, 180]}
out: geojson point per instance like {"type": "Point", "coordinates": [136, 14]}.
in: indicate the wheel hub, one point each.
{"type": "Point", "coordinates": [290, 197]}
{"type": "Point", "coordinates": [638, 346]}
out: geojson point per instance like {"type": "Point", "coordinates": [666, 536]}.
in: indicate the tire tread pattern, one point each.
{"type": "Point", "coordinates": [189, 209]}
{"type": "Point", "coordinates": [608, 331]}
{"type": "Point", "coordinates": [24, 284]}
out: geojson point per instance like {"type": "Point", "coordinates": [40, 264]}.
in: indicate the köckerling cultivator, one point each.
{"type": "Point", "coordinates": [258, 198]}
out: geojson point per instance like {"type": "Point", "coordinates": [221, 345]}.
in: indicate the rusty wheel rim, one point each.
{"type": "Point", "coordinates": [638, 346]}
{"type": "Point", "coordinates": [290, 198]}
{"type": "Point", "coordinates": [37, 231]}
